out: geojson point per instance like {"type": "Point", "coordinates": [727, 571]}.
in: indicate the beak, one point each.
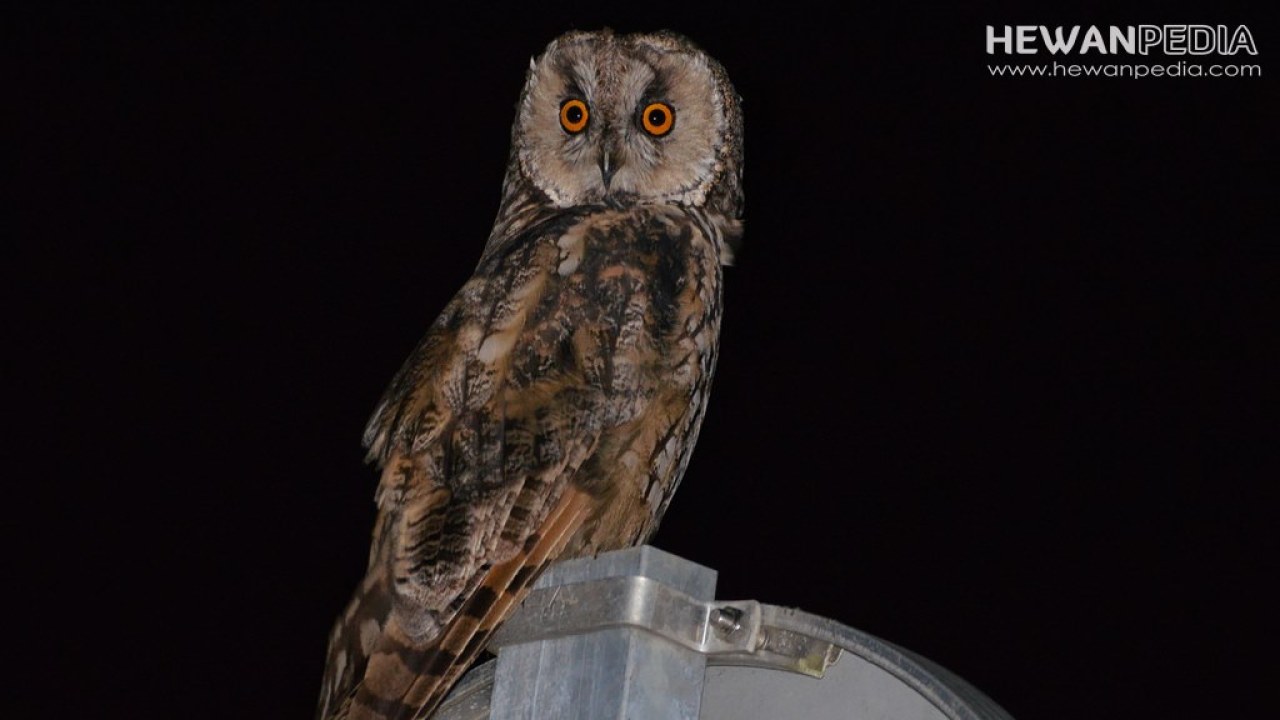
{"type": "Point", "coordinates": [608, 166]}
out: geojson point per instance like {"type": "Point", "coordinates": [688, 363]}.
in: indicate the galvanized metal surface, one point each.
{"type": "Point", "coordinates": [636, 635]}
{"type": "Point", "coordinates": [588, 595]}
{"type": "Point", "coordinates": [618, 637]}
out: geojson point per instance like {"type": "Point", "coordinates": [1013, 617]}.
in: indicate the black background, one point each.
{"type": "Point", "coordinates": [993, 375]}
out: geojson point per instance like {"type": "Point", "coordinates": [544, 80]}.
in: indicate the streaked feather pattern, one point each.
{"type": "Point", "coordinates": [549, 411]}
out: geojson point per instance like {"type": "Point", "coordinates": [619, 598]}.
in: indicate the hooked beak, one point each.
{"type": "Point", "coordinates": [608, 166]}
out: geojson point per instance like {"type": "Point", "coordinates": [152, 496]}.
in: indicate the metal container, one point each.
{"type": "Point", "coordinates": [638, 635]}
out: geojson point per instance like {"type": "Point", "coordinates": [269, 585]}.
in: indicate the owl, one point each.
{"type": "Point", "coordinates": [551, 409]}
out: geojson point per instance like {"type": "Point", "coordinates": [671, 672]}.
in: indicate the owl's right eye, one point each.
{"type": "Point", "coordinates": [574, 116]}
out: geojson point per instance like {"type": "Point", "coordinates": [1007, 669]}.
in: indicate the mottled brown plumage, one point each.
{"type": "Point", "coordinates": [551, 409]}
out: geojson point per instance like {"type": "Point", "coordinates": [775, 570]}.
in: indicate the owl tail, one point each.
{"type": "Point", "coordinates": [354, 636]}
{"type": "Point", "coordinates": [404, 682]}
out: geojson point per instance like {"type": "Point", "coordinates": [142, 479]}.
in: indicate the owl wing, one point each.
{"type": "Point", "coordinates": [481, 435]}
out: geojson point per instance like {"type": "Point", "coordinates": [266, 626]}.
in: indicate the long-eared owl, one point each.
{"type": "Point", "coordinates": [552, 407]}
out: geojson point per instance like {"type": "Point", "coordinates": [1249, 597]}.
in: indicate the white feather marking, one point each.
{"type": "Point", "coordinates": [496, 346]}
{"type": "Point", "coordinates": [340, 664]}
{"type": "Point", "coordinates": [571, 247]}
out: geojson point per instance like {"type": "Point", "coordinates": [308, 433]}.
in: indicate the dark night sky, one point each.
{"type": "Point", "coordinates": [993, 386]}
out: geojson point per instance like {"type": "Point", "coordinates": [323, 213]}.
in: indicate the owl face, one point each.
{"type": "Point", "coordinates": [617, 119]}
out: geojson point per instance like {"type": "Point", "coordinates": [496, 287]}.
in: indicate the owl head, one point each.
{"type": "Point", "coordinates": [619, 119]}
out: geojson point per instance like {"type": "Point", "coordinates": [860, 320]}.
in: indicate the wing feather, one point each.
{"type": "Point", "coordinates": [544, 357]}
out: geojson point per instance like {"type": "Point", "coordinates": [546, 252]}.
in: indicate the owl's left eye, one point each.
{"type": "Point", "coordinates": [657, 118]}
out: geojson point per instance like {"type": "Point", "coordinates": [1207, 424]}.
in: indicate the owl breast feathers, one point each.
{"type": "Point", "coordinates": [551, 409]}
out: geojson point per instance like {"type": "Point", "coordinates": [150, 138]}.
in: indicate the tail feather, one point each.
{"type": "Point", "coordinates": [350, 643]}
{"type": "Point", "coordinates": [414, 681]}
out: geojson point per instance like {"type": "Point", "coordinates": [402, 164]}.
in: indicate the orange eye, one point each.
{"type": "Point", "coordinates": [573, 116]}
{"type": "Point", "coordinates": [657, 119]}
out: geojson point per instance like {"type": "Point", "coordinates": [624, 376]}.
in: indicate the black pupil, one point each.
{"type": "Point", "coordinates": [657, 116]}
{"type": "Point", "coordinates": [573, 114]}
